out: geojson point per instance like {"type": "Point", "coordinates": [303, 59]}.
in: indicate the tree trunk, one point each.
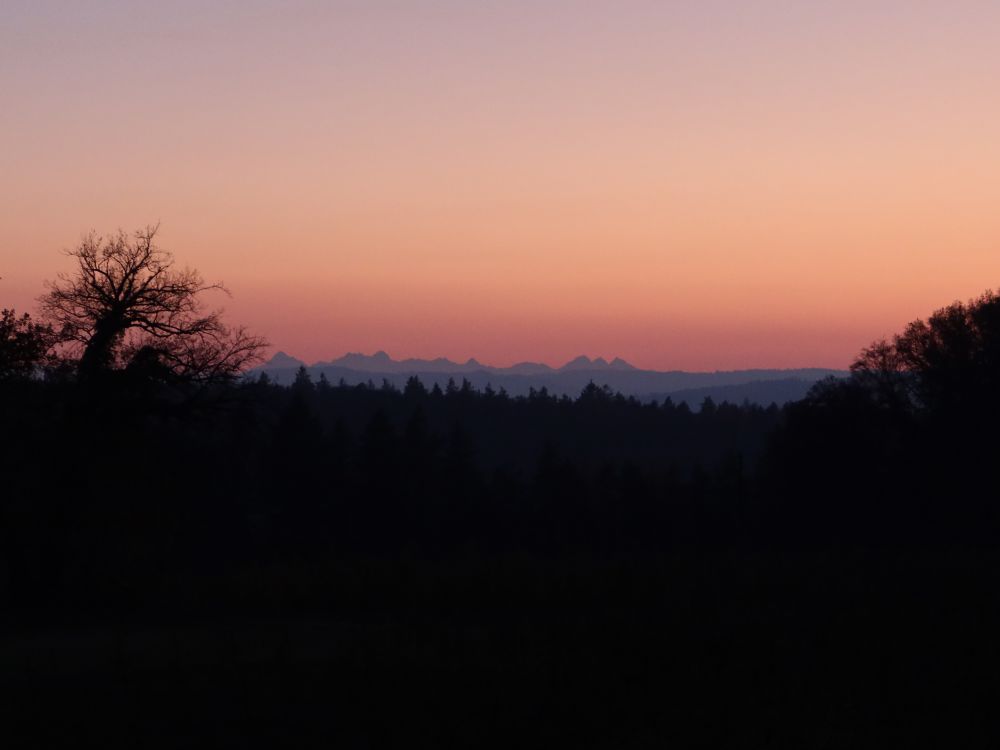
{"type": "Point", "coordinates": [98, 354]}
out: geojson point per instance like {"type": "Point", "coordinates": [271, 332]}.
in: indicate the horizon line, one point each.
{"type": "Point", "coordinates": [555, 368]}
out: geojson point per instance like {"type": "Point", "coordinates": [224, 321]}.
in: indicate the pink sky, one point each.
{"type": "Point", "coordinates": [686, 185]}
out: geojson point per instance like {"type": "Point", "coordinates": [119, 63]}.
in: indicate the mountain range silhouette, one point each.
{"type": "Point", "coordinates": [763, 386]}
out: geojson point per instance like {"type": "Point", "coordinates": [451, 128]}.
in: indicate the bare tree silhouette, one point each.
{"type": "Point", "coordinates": [126, 306]}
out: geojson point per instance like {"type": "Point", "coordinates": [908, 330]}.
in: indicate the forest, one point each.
{"type": "Point", "coordinates": [186, 552]}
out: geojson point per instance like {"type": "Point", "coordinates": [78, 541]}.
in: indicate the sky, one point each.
{"type": "Point", "coordinates": [687, 185]}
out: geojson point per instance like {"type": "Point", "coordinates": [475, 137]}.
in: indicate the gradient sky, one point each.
{"type": "Point", "coordinates": [696, 185]}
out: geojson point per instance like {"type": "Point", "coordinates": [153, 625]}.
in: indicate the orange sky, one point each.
{"type": "Point", "coordinates": [686, 185]}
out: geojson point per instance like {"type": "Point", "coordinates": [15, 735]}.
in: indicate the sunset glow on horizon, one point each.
{"type": "Point", "coordinates": [700, 186]}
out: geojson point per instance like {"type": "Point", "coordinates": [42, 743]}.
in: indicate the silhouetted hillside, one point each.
{"type": "Point", "coordinates": [779, 391]}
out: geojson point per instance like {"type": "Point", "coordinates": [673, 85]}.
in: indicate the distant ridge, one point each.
{"type": "Point", "coordinates": [763, 386]}
{"type": "Point", "coordinates": [381, 362]}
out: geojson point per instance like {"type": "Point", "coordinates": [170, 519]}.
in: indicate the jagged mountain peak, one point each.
{"type": "Point", "coordinates": [584, 362]}
{"type": "Point", "coordinates": [620, 364]}
{"type": "Point", "coordinates": [281, 359]}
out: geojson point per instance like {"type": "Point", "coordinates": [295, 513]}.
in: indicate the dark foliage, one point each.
{"type": "Point", "coordinates": [24, 345]}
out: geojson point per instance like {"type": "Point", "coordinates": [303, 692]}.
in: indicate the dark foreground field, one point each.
{"type": "Point", "coordinates": [635, 660]}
